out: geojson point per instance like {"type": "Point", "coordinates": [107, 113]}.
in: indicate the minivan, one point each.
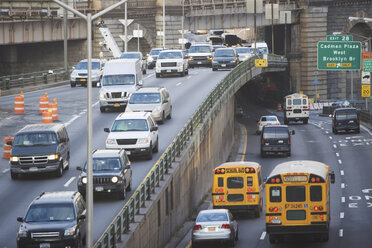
{"type": "Point", "coordinates": [40, 148]}
{"type": "Point", "coordinates": [276, 139]}
{"type": "Point", "coordinates": [121, 77]}
{"type": "Point", "coordinates": [346, 119]}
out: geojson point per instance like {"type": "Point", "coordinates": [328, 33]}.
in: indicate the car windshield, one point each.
{"type": "Point", "coordinates": [105, 164]}
{"type": "Point", "coordinates": [170, 55]}
{"type": "Point", "coordinates": [130, 56]}
{"type": "Point", "coordinates": [200, 49]}
{"type": "Point", "coordinates": [123, 79]}
{"type": "Point", "coordinates": [128, 125]}
{"type": "Point", "coordinates": [275, 133]}
{"type": "Point", "coordinates": [268, 118]}
{"type": "Point", "coordinates": [208, 217]}
{"type": "Point", "coordinates": [84, 66]}
{"type": "Point", "coordinates": [224, 53]}
{"type": "Point", "coordinates": [35, 139]}
{"type": "Point", "coordinates": [155, 51]}
{"type": "Point", "coordinates": [262, 50]}
{"type": "Point", "coordinates": [346, 114]}
{"type": "Point", "coordinates": [145, 98]}
{"type": "Point", "coordinates": [240, 50]}
{"type": "Point", "coordinates": [50, 212]}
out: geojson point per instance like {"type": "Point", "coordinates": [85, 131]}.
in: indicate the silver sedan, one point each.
{"type": "Point", "coordinates": [214, 225]}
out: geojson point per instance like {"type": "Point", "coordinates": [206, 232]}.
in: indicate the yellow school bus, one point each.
{"type": "Point", "coordinates": [297, 199]}
{"type": "Point", "coordinates": [238, 186]}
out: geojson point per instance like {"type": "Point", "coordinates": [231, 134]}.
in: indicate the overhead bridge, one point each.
{"type": "Point", "coordinates": [181, 177]}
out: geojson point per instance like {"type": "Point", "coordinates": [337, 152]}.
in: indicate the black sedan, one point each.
{"type": "Point", "coordinates": [224, 58]}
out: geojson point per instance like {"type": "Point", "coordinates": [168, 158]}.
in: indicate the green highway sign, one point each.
{"type": "Point", "coordinates": [367, 65]}
{"type": "Point", "coordinates": [339, 55]}
{"type": "Point", "coordinates": [339, 38]}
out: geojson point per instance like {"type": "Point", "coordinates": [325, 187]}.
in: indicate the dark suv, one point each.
{"type": "Point", "coordinates": [345, 119]}
{"type": "Point", "coordinates": [276, 139]}
{"type": "Point", "coordinates": [112, 173]}
{"type": "Point", "coordinates": [40, 148]}
{"type": "Point", "coordinates": [53, 219]}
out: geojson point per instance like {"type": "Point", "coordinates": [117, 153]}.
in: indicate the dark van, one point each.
{"type": "Point", "coordinates": [40, 148]}
{"type": "Point", "coordinates": [345, 119]}
{"type": "Point", "coordinates": [276, 139]}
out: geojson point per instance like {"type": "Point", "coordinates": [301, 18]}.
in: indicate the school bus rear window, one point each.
{"type": "Point", "coordinates": [235, 182]}
{"type": "Point", "coordinates": [275, 194]}
{"type": "Point", "coordinates": [295, 193]}
{"type": "Point", "coordinates": [316, 193]}
{"type": "Point", "coordinates": [220, 182]}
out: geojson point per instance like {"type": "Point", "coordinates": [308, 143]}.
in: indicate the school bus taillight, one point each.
{"type": "Point", "coordinates": [220, 171]}
{"type": "Point", "coordinates": [250, 170]}
{"type": "Point", "coordinates": [318, 208]}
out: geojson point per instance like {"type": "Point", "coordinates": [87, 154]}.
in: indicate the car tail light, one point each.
{"type": "Point", "coordinates": [289, 141]}
{"type": "Point", "coordinates": [336, 122]}
{"type": "Point", "coordinates": [197, 227]}
{"type": "Point", "coordinates": [289, 108]}
{"type": "Point", "coordinates": [225, 226]}
{"type": "Point", "coordinates": [262, 142]}
{"type": "Point", "coordinates": [260, 124]}
{"type": "Point", "coordinates": [357, 121]}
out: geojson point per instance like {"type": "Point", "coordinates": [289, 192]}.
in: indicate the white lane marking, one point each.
{"type": "Point", "coordinates": [6, 170]}
{"type": "Point", "coordinates": [152, 74]}
{"type": "Point", "coordinates": [342, 215]}
{"type": "Point", "coordinates": [339, 161]}
{"type": "Point", "coordinates": [342, 172]}
{"type": "Point", "coordinates": [10, 117]}
{"type": "Point", "coordinates": [337, 154]}
{"type": "Point", "coordinates": [334, 145]}
{"type": "Point", "coordinates": [178, 84]}
{"type": "Point", "coordinates": [323, 129]}
{"type": "Point", "coordinates": [341, 233]}
{"type": "Point", "coordinates": [342, 185]}
{"type": "Point", "coordinates": [343, 199]}
{"type": "Point", "coordinates": [263, 236]}
{"type": "Point", "coordinates": [326, 132]}
{"type": "Point", "coordinates": [366, 129]}
{"type": "Point", "coordinates": [95, 104]}
{"type": "Point", "coordinates": [69, 181]}
{"type": "Point", "coordinates": [71, 120]}
{"type": "Point", "coordinates": [188, 77]}
{"type": "Point", "coordinates": [330, 137]}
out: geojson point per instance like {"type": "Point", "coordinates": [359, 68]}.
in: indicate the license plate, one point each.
{"type": "Point", "coordinates": [116, 105]}
{"type": "Point", "coordinates": [83, 79]}
{"type": "Point", "coordinates": [99, 189]}
{"type": "Point", "coordinates": [351, 121]}
{"type": "Point", "coordinates": [280, 141]}
{"type": "Point", "coordinates": [128, 152]}
{"type": "Point", "coordinates": [223, 65]}
{"type": "Point", "coordinates": [199, 63]}
{"type": "Point", "coordinates": [169, 70]}
{"type": "Point", "coordinates": [276, 221]}
{"type": "Point", "coordinates": [211, 229]}
{"type": "Point", "coordinates": [33, 169]}
{"type": "Point", "coordinates": [44, 245]}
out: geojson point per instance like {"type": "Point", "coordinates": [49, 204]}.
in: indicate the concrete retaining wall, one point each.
{"type": "Point", "coordinates": [189, 180]}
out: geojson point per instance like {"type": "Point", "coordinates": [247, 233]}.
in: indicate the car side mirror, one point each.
{"type": "Point", "coordinates": [154, 128]}
{"type": "Point", "coordinates": [293, 132]}
{"type": "Point", "coordinates": [99, 84]}
{"type": "Point", "coordinates": [165, 101]}
{"type": "Point", "coordinates": [332, 177]}
{"type": "Point", "coordinates": [9, 143]}
{"type": "Point", "coordinates": [106, 129]}
{"type": "Point", "coordinates": [79, 168]}
{"type": "Point", "coordinates": [140, 83]}
{"type": "Point", "coordinates": [19, 219]}
{"type": "Point", "coordinates": [73, 67]}
{"type": "Point", "coordinates": [82, 217]}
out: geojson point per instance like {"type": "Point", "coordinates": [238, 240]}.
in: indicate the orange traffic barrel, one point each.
{"type": "Point", "coordinates": [44, 101]}
{"type": "Point", "coordinates": [53, 108]}
{"type": "Point", "coordinates": [19, 104]}
{"type": "Point", "coordinates": [7, 148]}
{"type": "Point", "coordinates": [47, 116]}
{"type": "Point", "coordinates": [279, 107]}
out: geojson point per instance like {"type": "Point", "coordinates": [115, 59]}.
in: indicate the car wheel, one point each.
{"type": "Point", "coordinates": [257, 132]}
{"type": "Point", "coordinates": [358, 130]}
{"type": "Point", "coordinates": [182, 74]}
{"type": "Point", "coordinates": [237, 235]}
{"type": "Point", "coordinates": [157, 75]}
{"type": "Point", "coordinates": [335, 131]}
{"type": "Point", "coordinates": [68, 164]}
{"type": "Point", "coordinates": [187, 71]}
{"type": "Point", "coordinates": [129, 188]}
{"type": "Point", "coordinates": [156, 148]}
{"type": "Point", "coordinates": [59, 171]}
{"type": "Point", "coordinates": [195, 245]}
{"type": "Point", "coordinates": [191, 66]}
{"type": "Point", "coordinates": [122, 194]}
{"type": "Point", "coordinates": [79, 243]}
{"type": "Point", "coordinates": [162, 118]}
{"type": "Point", "coordinates": [263, 154]}
{"type": "Point", "coordinates": [73, 85]}
{"type": "Point", "coordinates": [232, 242]}
{"type": "Point", "coordinates": [288, 154]}
{"type": "Point", "coordinates": [13, 175]}
{"type": "Point", "coordinates": [306, 121]}
{"type": "Point", "coordinates": [170, 114]}
{"type": "Point", "coordinates": [214, 69]}
{"type": "Point", "coordinates": [149, 155]}
{"type": "Point", "coordinates": [286, 121]}
{"type": "Point", "coordinates": [102, 109]}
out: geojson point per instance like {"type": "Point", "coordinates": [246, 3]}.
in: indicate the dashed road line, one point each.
{"type": "Point", "coordinates": [342, 173]}
{"type": "Point", "coordinates": [326, 132]}
{"type": "Point", "coordinates": [342, 215]}
{"type": "Point", "coordinates": [69, 181]}
{"type": "Point", "coordinates": [95, 104]}
{"type": "Point", "coordinates": [178, 84]}
{"type": "Point", "coordinates": [339, 161]}
{"type": "Point", "coordinates": [330, 137]}
{"type": "Point", "coordinates": [343, 199]}
{"type": "Point", "coordinates": [188, 77]}
{"type": "Point", "coordinates": [366, 129]}
{"type": "Point", "coordinates": [6, 170]}
{"type": "Point", "coordinates": [152, 74]}
{"type": "Point", "coordinates": [72, 120]}
{"type": "Point", "coordinates": [337, 154]}
{"type": "Point", "coordinates": [341, 233]}
{"type": "Point", "coordinates": [342, 185]}
{"type": "Point", "coordinates": [263, 236]}
{"type": "Point", "coordinates": [334, 146]}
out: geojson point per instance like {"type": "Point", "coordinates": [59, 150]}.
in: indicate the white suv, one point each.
{"type": "Point", "coordinates": [136, 132]}
{"type": "Point", "coordinates": [155, 100]}
{"type": "Point", "coordinates": [172, 61]}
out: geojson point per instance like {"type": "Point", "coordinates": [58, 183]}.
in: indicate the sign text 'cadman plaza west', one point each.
{"type": "Point", "coordinates": [339, 55]}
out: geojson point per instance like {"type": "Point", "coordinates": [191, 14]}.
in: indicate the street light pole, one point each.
{"type": "Point", "coordinates": [272, 27]}
{"type": "Point", "coordinates": [125, 27]}
{"type": "Point", "coordinates": [89, 188]}
{"type": "Point", "coordinates": [65, 39]}
{"type": "Point", "coordinates": [183, 24]}
{"type": "Point", "coordinates": [255, 30]}
{"type": "Point", "coordinates": [163, 23]}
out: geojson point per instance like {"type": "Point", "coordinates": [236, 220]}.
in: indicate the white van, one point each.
{"type": "Point", "coordinates": [120, 78]}
{"type": "Point", "coordinates": [261, 48]}
{"type": "Point", "coordinates": [296, 108]}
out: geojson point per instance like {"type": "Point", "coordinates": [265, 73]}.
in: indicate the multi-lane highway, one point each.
{"type": "Point", "coordinates": [187, 93]}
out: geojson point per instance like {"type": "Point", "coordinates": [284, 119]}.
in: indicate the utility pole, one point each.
{"type": "Point", "coordinates": [163, 23]}
{"type": "Point", "coordinates": [255, 30]}
{"type": "Point", "coordinates": [183, 23]}
{"type": "Point", "coordinates": [65, 39]}
{"type": "Point", "coordinates": [272, 27]}
{"type": "Point", "coordinates": [125, 27]}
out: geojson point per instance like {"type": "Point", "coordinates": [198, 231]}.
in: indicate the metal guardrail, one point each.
{"type": "Point", "coordinates": [120, 224]}
{"type": "Point", "coordinates": [34, 78]}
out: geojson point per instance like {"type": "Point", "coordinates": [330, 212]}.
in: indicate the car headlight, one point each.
{"type": "Point", "coordinates": [70, 231]}
{"type": "Point", "coordinates": [14, 159]}
{"type": "Point", "coordinates": [53, 157]}
{"type": "Point", "coordinates": [73, 78]}
{"type": "Point", "coordinates": [111, 142]}
{"type": "Point", "coordinates": [84, 180]}
{"type": "Point", "coordinates": [102, 96]}
{"type": "Point", "coordinates": [209, 58]}
{"type": "Point", "coordinates": [158, 64]}
{"type": "Point", "coordinates": [191, 58]}
{"type": "Point", "coordinates": [143, 141]}
{"type": "Point", "coordinates": [22, 233]}
{"type": "Point", "coordinates": [114, 179]}
{"type": "Point", "coordinates": [179, 64]}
